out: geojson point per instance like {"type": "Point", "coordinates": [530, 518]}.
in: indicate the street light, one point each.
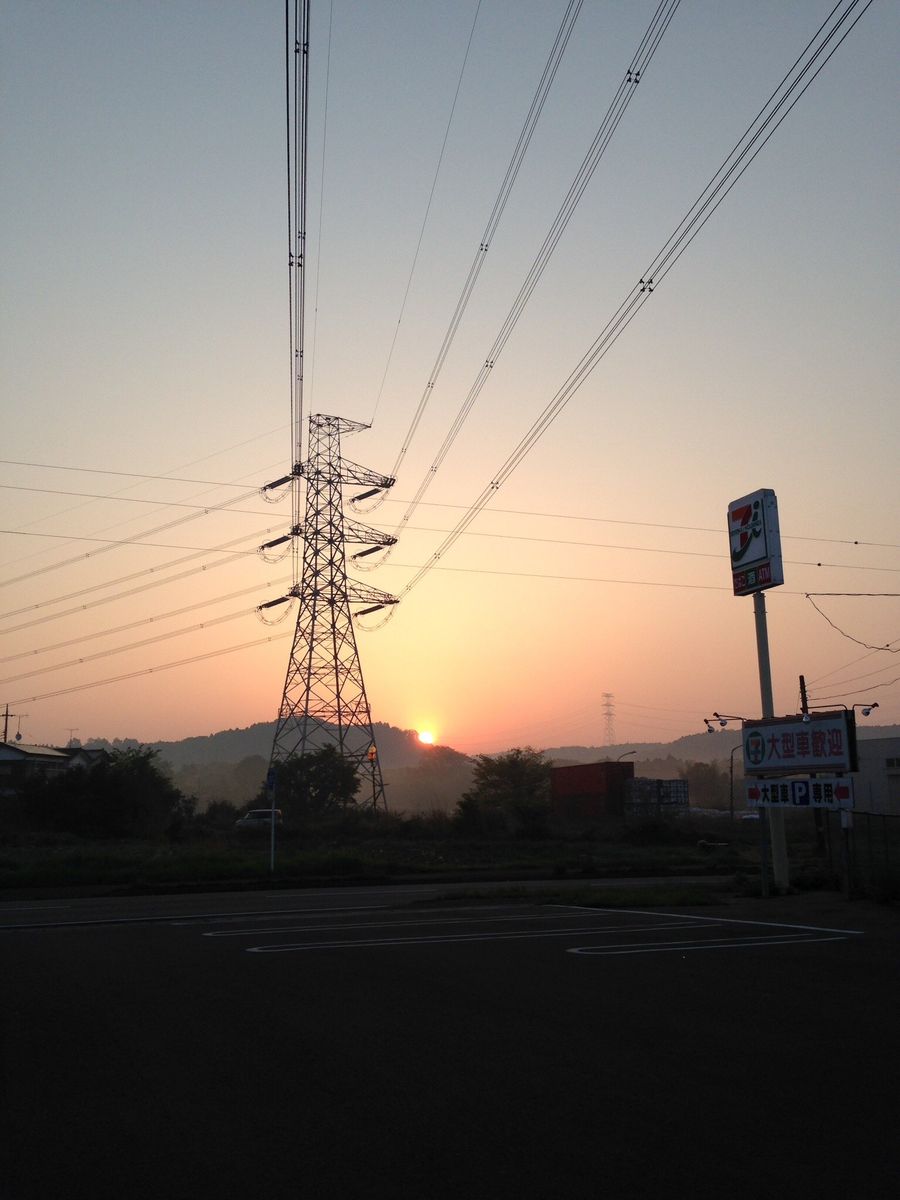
{"type": "Point", "coordinates": [625, 755]}
{"type": "Point", "coordinates": [865, 708]}
{"type": "Point", "coordinates": [722, 719]}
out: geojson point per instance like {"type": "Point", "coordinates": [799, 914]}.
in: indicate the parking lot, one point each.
{"type": "Point", "coordinates": [345, 1041]}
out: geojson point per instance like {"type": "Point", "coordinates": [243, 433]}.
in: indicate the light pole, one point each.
{"type": "Point", "coordinates": [734, 751]}
{"type": "Point", "coordinates": [625, 755]}
{"type": "Point", "coordinates": [722, 720]}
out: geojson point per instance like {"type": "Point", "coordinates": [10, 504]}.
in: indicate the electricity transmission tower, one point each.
{"type": "Point", "coordinates": [324, 701]}
{"type": "Point", "coordinates": [609, 715]}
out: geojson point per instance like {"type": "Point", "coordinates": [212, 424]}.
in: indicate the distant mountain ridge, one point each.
{"type": "Point", "coordinates": [396, 747]}
{"type": "Point", "coordinates": [401, 748]}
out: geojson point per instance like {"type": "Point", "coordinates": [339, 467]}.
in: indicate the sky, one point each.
{"type": "Point", "coordinates": [145, 365]}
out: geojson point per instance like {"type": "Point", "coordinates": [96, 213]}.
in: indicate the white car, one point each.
{"type": "Point", "coordinates": [258, 818]}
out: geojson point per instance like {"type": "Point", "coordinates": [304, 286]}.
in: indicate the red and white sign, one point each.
{"type": "Point", "coordinates": [832, 791]}
{"type": "Point", "coordinates": [755, 542]}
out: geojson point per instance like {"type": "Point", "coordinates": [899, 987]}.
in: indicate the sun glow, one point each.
{"type": "Point", "coordinates": [426, 737]}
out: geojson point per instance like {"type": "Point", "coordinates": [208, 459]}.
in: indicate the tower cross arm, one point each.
{"type": "Point", "coordinates": [362, 593]}
{"type": "Point", "coordinates": [351, 472]}
{"type": "Point", "coordinates": [365, 534]}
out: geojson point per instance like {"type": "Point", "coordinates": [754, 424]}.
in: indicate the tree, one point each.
{"type": "Point", "coordinates": [509, 796]}
{"type": "Point", "coordinates": [314, 785]}
{"type": "Point", "coordinates": [707, 784]}
{"type": "Point", "coordinates": [124, 794]}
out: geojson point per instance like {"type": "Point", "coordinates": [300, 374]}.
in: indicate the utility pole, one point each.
{"type": "Point", "coordinates": [324, 701]}
{"type": "Point", "coordinates": [818, 814]}
{"type": "Point", "coordinates": [6, 715]}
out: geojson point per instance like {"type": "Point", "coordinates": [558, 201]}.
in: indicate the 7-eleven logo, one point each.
{"type": "Point", "coordinates": [746, 527]}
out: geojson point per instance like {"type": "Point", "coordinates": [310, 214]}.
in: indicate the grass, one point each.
{"type": "Point", "coordinates": [145, 866]}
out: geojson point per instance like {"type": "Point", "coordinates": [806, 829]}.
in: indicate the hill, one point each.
{"type": "Point", "coordinates": [693, 747]}
{"type": "Point", "coordinates": [396, 747]}
{"type": "Point", "coordinates": [399, 748]}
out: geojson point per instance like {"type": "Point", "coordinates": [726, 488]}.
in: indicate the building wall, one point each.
{"type": "Point", "coordinates": [877, 784]}
{"type": "Point", "coordinates": [589, 790]}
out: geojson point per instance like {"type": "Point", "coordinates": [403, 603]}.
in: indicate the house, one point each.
{"type": "Point", "coordinates": [19, 762]}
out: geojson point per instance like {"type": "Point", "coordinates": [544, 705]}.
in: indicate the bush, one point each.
{"type": "Point", "coordinates": [123, 795]}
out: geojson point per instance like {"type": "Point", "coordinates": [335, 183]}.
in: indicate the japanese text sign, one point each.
{"type": "Point", "coordinates": [790, 745]}
{"type": "Point", "coordinates": [832, 791]}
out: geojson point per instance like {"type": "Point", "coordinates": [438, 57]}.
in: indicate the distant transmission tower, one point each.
{"type": "Point", "coordinates": [324, 701]}
{"type": "Point", "coordinates": [609, 717]}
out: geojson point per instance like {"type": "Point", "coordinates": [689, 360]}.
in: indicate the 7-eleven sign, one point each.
{"type": "Point", "coordinates": [755, 543]}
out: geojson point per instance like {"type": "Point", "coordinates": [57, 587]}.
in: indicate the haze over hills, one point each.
{"type": "Point", "coordinates": [399, 748]}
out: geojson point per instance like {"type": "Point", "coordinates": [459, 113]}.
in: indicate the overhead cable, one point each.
{"type": "Point", "coordinates": [534, 112]}
{"type": "Point", "coordinates": [622, 98]}
{"type": "Point", "coordinates": [415, 258]}
{"type": "Point", "coordinates": [183, 662]}
{"type": "Point", "coordinates": [156, 619]}
{"type": "Point", "coordinates": [98, 587]}
{"type": "Point", "coordinates": [829, 36]}
{"type": "Point", "coordinates": [886, 648]}
{"type": "Point", "coordinates": [114, 650]}
{"type": "Point", "coordinates": [68, 562]}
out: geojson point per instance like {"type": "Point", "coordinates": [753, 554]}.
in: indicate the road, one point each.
{"type": "Point", "coordinates": [376, 1041]}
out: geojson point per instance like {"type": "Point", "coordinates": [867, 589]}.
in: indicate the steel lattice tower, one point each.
{"type": "Point", "coordinates": [325, 700]}
{"type": "Point", "coordinates": [609, 713]}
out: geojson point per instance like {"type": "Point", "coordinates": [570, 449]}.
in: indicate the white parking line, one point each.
{"type": "Point", "coordinates": [443, 920]}
{"type": "Point", "coordinates": [433, 940]}
{"type": "Point", "coordinates": [723, 920]}
{"type": "Point", "coordinates": [709, 944]}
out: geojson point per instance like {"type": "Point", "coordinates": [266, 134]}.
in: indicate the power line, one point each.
{"type": "Point", "coordinates": [437, 171]}
{"type": "Point", "coordinates": [889, 666]}
{"type": "Point", "coordinates": [184, 662]}
{"type": "Point", "coordinates": [114, 650]}
{"type": "Point", "coordinates": [97, 587]}
{"type": "Point", "coordinates": [513, 512]}
{"type": "Point", "coordinates": [838, 696]}
{"type": "Point", "coordinates": [506, 537]}
{"type": "Point", "coordinates": [850, 638]}
{"type": "Point", "coordinates": [154, 620]}
{"type": "Point", "coordinates": [637, 67]}
{"type": "Point", "coordinates": [16, 487]}
{"type": "Point", "coordinates": [146, 533]}
{"type": "Point", "coordinates": [11, 462]}
{"type": "Point", "coordinates": [525, 134]}
{"type": "Point", "coordinates": [312, 380]}
{"type": "Point", "coordinates": [781, 101]}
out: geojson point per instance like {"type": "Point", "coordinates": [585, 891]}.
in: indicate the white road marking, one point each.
{"type": "Point", "coordinates": [708, 944]}
{"type": "Point", "coordinates": [430, 940]}
{"type": "Point", "coordinates": [182, 918]}
{"type": "Point", "coordinates": [444, 920]}
{"type": "Point", "coordinates": [724, 920]}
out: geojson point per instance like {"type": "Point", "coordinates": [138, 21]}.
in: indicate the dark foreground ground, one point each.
{"type": "Point", "coordinates": [375, 1042]}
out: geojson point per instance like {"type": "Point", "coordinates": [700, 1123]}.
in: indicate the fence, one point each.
{"type": "Point", "coordinates": [867, 855]}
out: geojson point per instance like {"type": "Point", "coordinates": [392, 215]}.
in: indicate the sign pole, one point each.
{"type": "Point", "coordinates": [777, 836]}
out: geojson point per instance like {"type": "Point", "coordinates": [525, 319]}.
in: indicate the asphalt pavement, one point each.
{"type": "Point", "coordinates": [382, 1041]}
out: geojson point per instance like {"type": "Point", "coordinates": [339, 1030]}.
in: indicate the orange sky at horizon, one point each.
{"type": "Point", "coordinates": [146, 368]}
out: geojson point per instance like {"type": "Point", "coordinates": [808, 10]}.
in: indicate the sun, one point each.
{"type": "Point", "coordinates": [426, 737]}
